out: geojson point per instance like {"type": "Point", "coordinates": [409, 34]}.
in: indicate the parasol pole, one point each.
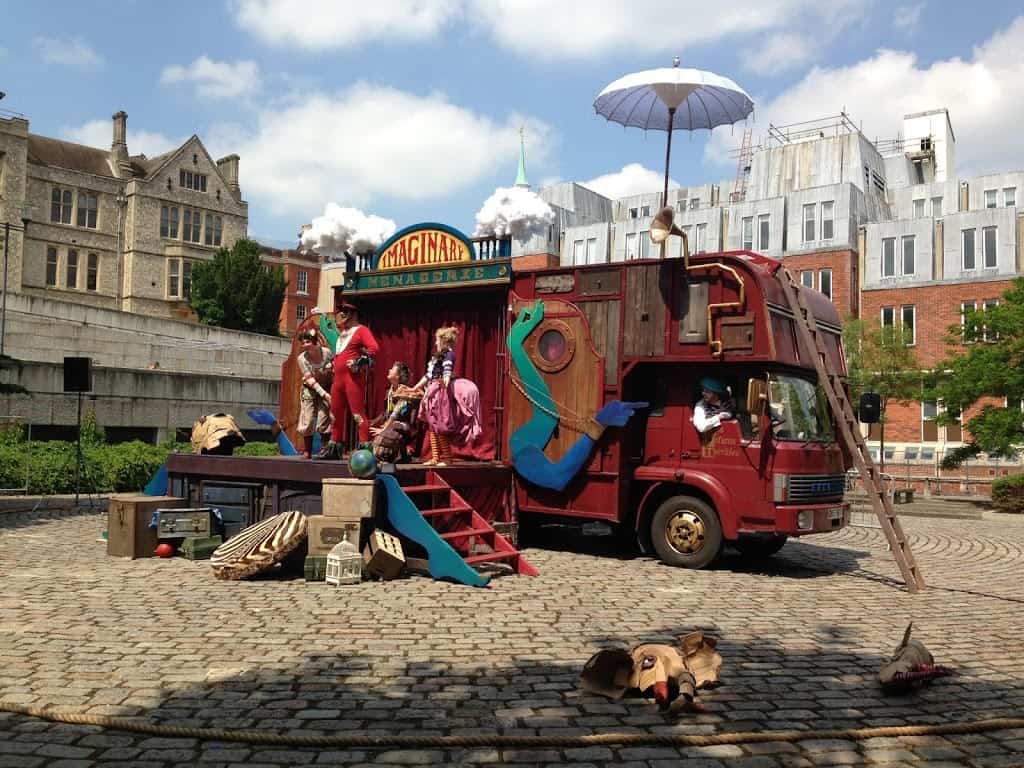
{"type": "Point", "coordinates": [668, 154]}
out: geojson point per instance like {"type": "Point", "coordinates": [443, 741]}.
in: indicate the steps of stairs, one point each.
{"type": "Point", "coordinates": [467, 532]}
{"type": "Point", "coordinates": [491, 557]}
{"type": "Point", "coordinates": [445, 511]}
{"type": "Point", "coordinates": [424, 488]}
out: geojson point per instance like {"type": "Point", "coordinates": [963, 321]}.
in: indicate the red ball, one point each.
{"type": "Point", "coordinates": [164, 550]}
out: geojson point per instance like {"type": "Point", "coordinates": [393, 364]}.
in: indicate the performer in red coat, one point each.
{"type": "Point", "coordinates": [355, 350]}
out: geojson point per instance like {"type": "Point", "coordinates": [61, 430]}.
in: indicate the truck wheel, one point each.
{"type": "Point", "coordinates": [686, 533]}
{"type": "Point", "coordinates": [758, 547]}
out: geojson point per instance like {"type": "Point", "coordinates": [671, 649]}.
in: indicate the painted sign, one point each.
{"type": "Point", "coordinates": [424, 245]}
{"type": "Point", "coordinates": [474, 273]}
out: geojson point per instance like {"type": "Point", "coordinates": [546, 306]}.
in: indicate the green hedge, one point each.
{"type": "Point", "coordinates": [50, 466]}
{"type": "Point", "coordinates": [1008, 494]}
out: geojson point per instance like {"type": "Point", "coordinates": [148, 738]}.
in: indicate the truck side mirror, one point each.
{"type": "Point", "coordinates": [757, 395]}
{"type": "Point", "coordinates": [869, 410]}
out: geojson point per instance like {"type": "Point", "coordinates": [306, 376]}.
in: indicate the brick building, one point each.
{"type": "Point", "coordinates": [302, 274]}
{"type": "Point", "coordinates": [110, 229]}
{"type": "Point", "coordinates": [885, 229]}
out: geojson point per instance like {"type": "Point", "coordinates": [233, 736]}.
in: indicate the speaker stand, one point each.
{"type": "Point", "coordinates": [78, 450]}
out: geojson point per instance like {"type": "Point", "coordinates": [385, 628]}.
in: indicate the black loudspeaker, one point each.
{"type": "Point", "coordinates": [870, 410]}
{"type": "Point", "coordinates": [78, 374]}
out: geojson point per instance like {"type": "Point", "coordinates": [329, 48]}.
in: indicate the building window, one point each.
{"type": "Point", "coordinates": [213, 230]}
{"type": "Point", "coordinates": [51, 265]}
{"type": "Point", "coordinates": [763, 231]}
{"type": "Point", "coordinates": [179, 279]}
{"type": "Point", "coordinates": [190, 180]}
{"type": "Point", "coordinates": [985, 334]}
{"type": "Point", "coordinates": [888, 257]}
{"type": "Point", "coordinates": [908, 255]}
{"type": "Point", "coordinates": [577, 252]}
{"type": "Point", "coordinates": [919, 208]}
{"type": "Point", "coordinates": [990, 198]}
{"type": "Point", "coordinates": [807, 278]}
{"type": "Point", "coordinates": [828, 226]}
{"type": "Point", "coordinates": [888, 317]}
{"type": "Point", "coordinates": [967, 249]}
{"type": "Point", "coordinates": [908, 316]}
{"type": "Point", "coordinates": [989, 242]}
{"type": "Point", "coordinates": [631, 252]}
{"type": "Point", "coordinates": [937, 207]}
{"type": "Point", "coordinates": [634, 212]}
{"type": "Point", "coordinates": [1010, 197]}
{"type": "Point", "coordinates": [645, 244]}
{"type": "Point", "coordinates": [929, 429]}
{"type": "Point", "coordinates": [300, 312]}
{"type": "Point", "coordinates": [809, 228]}
{"type": "Point", "coordinates": [645, 210]}
{"type": "Point", "coordinates": [591, 250]}
{"type": "Point", "coordinates": [61, 201]}
{"type": "Point", "coordinates": [303, 281]}
{"type": "Point", "coordinates": [694, 203]}
{"type": "Point", "coordinates": [87, 208]}
{"type": "Point", "coordinates": [748, 234]}
{"type": "Point", "coordinates": [92, 271]}
{"type": "Point", "coordinates": [966, 308]}
{"type": "Point", "coordinates": [168, 221]}
{"type": "Point", "coordinates": [825, 282]}
{"type": "Point", "coordinates": [700, 244]}
{"type": "Point", "coordinates": [193, 224]}
{"type": "Point", "coordinates": [72, 270]}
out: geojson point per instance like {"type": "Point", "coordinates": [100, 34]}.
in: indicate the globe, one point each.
{"type": "Point", "coordinates": [362, 464]}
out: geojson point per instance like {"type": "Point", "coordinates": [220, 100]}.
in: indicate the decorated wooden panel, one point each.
{"type": "Point", "coordinates": [603, 317]}
{"type": "Point", "coordinates": [647, 290]}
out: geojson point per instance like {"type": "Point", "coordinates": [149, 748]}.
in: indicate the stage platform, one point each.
{"type": "Point", "coordinates": [267, 482]}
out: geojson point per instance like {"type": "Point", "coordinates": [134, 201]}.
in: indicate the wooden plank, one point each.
{"type": "Point", "coordinates": [636, 310]}
{"type": "Point", "coordinates": [604, 282]}
{"type": "Point", "coordinates": [611, 360]}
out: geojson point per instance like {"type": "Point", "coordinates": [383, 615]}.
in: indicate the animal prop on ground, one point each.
{"type": "Point", "coordinates": [911, 666]}
{"type": "Point", "coordinates": [259, 547]}
{"type": "Point", "coordinates": [671, 674]}
{"type": "Point", "coordinates": [216, 434]}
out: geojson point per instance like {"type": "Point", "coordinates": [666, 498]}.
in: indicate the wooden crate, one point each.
{"type": "Point", "coordinates": [383, 557]}
{"type": "Point", "coordinates": [128, 516]}
{"type": "Point", "coordinates": [348, 499]}
{"type": "Point", "coordinates": [325, 532]}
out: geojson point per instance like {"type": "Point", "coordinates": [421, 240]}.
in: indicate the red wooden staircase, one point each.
{"type": "Point", "coordinates": [462, 527]}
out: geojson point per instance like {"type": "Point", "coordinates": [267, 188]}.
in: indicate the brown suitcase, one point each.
{"type": "Point", "coordinates": [128, 516]}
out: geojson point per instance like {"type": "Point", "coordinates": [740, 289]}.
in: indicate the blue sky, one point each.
{"type": "Point", "coordinates": [410, 109]}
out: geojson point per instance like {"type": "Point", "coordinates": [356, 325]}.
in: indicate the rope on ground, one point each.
{"type": "Point", "coordinates": [403, 741]}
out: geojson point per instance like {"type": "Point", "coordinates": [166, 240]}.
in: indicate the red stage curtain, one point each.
{"type": "Point", "coordinates": [404, 324]}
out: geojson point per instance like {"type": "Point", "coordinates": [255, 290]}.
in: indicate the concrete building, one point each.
{"type": "Point", "coordinates": [886, 229]}
{"type": "Point", "coordinates": [102, 269]}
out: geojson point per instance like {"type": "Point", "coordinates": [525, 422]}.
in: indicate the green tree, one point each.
{"type": "Point", "coordinates": [881, 360]}
{"type": "Point", "coordinates": [990, 365]}
{"type": "Point", "coordinates": [237, 290]}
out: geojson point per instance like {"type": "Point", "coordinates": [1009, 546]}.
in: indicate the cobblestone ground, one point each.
{"type": "Point", "coordinates": [802, 637]}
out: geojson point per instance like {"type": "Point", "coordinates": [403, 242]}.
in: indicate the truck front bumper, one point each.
{"type": "Point", "coordinates": [802, 519]}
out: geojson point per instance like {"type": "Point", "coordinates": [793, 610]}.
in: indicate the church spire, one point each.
{"type": "Point", "coordinates": [521, 173]}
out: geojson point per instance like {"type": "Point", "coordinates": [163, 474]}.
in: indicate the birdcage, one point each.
{"type": "Point", "coordinates": [344, 563]}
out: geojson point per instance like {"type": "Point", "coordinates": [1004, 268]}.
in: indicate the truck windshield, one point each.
{"type": "Point", "coordinates": [799, 410]}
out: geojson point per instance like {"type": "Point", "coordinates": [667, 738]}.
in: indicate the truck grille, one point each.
{"type": "Point", "coordinates": [816, 488]}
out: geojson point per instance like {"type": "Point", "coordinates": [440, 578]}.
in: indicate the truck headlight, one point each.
{"type": "Point", "coordinates": [780, 488]}
{"type": "Point", "coordinates": [804, 520]}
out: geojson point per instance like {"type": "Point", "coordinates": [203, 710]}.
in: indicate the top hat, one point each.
{"type": "Point", "coordinates": [343, 304]}
{"type": "Point", "coordinates": [713, 385]}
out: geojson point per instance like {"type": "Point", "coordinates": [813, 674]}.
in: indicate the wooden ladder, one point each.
{"type": "Point", "coordinates": [462, 527]}
{"type": "Point", "coordinates": [849, 432]}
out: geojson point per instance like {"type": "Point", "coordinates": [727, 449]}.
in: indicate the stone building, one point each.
{"type": "Point", "coordinates": [110, 229]}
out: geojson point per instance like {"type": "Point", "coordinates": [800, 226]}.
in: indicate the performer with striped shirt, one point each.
{"type": "Point", "coordinates": [437, 408]}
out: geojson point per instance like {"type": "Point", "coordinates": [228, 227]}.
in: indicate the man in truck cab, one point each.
{"type": "Point", "coordinates": [714, 406]}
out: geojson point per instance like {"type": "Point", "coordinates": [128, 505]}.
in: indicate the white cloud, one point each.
{"type": "Point", "coordinates": [319, 25]}
{"type": "Point", "coordinates": [369, 142]}
{"type": "Point", "coordinates": [73, 52]}
{"type": "Point", "coordinates": [984, 95]}
{"type": "Point", "coordinates": [780, 53]}
{"type": "Point", "coordinates": [633, 179]}
{"type": "Point", "coordinates": [99, 133]}
{"type": "Point", "coordinates": [536, 28]}
{"type": "Point", "coordinates": [908, 16]}
{"type": "Point", "coordinates": [215, 79]}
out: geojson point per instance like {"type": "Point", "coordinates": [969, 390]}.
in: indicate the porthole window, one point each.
{"type": "Point", "coordinates": [552, 346]}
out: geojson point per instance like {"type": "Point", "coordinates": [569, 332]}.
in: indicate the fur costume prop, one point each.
{"type": "Point", "coordinates": [910, 667]}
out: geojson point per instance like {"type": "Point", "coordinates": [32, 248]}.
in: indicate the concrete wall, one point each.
{"type": "Point", "coordinates": [599, 233]}
{"type": "Point", "coordinates": [774, 208]}
{"type": "Point", "coordinates": [848, 212]}
{"type": "Point", "coordinates": [161, 400]}
{"type": "Point", "coordinates": [923, 232]}
{"type": "Point", "coordinates": [902, 199]}
{"type": "Point", "coordinates": [42, 330]}
{"type": "Point", "coordinates": [1006, 243]}
{"type": "Point", "coordinates": [999, 182]}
